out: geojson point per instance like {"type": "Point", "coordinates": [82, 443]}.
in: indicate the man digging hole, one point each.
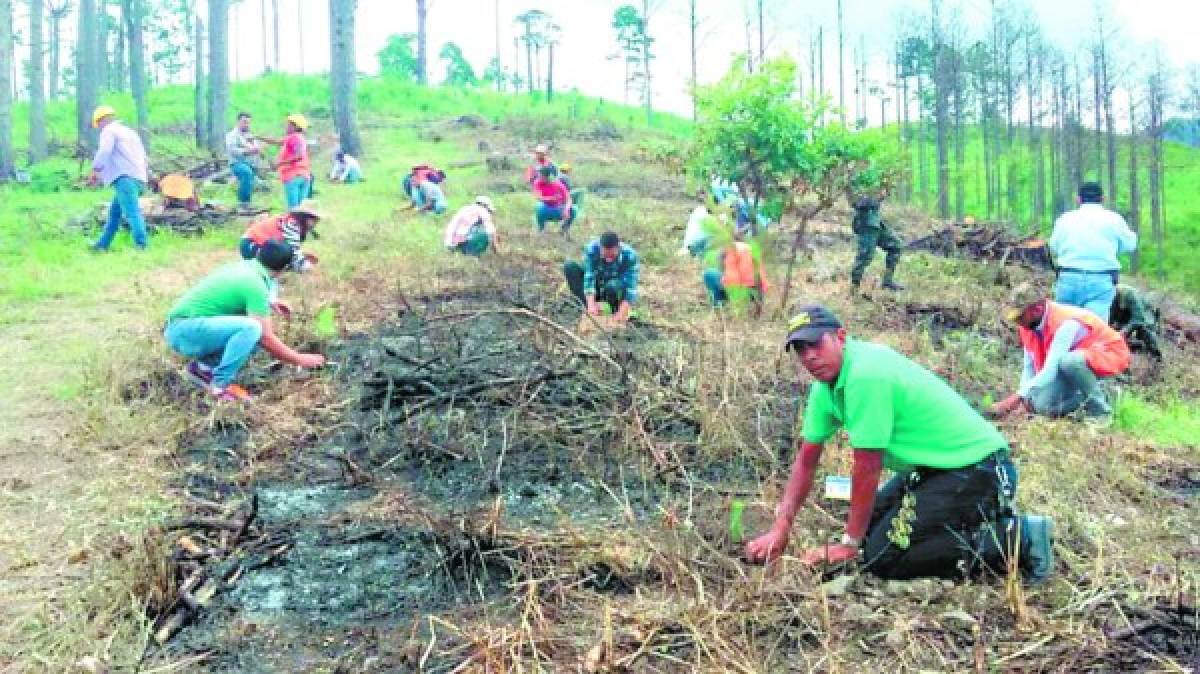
{"type": "Point", "coordinates": [947, 510]}
{"type": "Point", "coordinates": [225, 317]}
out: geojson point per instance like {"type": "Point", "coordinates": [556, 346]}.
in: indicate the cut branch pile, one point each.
{"type": "Point", "coordinates": [986, 243]}
{"type": "Point", "coordinates": [449, 381]}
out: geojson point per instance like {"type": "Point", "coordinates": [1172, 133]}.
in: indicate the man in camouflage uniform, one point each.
{"type": "Point", "coordinates": [1136, 323]}
{"type": "Point", "coordinates": [871, 232]}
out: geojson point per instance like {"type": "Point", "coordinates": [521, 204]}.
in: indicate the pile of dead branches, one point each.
{"type": "Point", "coordinates": [495, 379]}
{"type": "Point", "coordinates": [986, 243]}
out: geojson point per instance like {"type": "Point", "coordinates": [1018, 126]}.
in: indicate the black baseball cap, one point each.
{"type": "Point", "coordinates": [609, 240]}
{"type": "Point", "coordinates": [809, 325]}
{"type": "Point", "coordinates": [276, 255]}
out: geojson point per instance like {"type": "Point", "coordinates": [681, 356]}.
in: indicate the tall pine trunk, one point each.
{"type": "Point", "coordinates": [133, 12]}
{"type": "Point", "coordinates": [649, 89]}
{"type": "Point", "coordinates": [218, 72]}
{"type": "Point", "coordinates": [422, 43]}
{"type": "Point", "coordinates": [549, 72]}
{"type": "Point", "coordinates": [100, 47]}
{"type": "Point", "coordinates": [275, 31]}
{"type": "Point", "coordinates": [693, 25]}
{"type": "Point", "coordinates": [941, 116]}
{"type": "Point", "coordinates": [262, 7]}
{"type": "Point", "coordinates": [199, 97]}
{"type": "Point", "coordinates": [55, 54]}
{"type": "Point", "coordinates": [7, 160]}
{"type": "Point", "coordinates": [1135, 195]}
{"type": "Point", "coordinates": [37, 82]}
{"type": "Point", "coordinates": [86, 84]}
{"type": "Point", "coordinates": [343, 74]}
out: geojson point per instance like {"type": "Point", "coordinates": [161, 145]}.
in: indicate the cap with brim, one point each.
{"type": "Point", "coordinates": [1023, 295]}
{"type": "Point", "coordinates": [307, 207]}
{"type": "Point", "coordinates": [541, 149]}
{"type": "Point", "coordinates": [810, 324]}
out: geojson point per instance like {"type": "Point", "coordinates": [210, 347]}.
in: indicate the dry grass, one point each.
{"type": "Point", "coordinates": [663, 591]}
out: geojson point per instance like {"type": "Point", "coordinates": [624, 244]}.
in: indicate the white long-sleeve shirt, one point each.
{"type": "Point", "coordinates": [1069, 334]}
{"type": "Point", "coordinates": [1090, 238]}
{"type": "Point", "coordinates": [119, 153]}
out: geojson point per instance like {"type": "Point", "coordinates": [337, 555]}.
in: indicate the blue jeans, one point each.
{"type": "Point", "coordinates": [126, 191]}
{"type": "Point", "coordinates": [245, 177]}
{"type": "Point", "coordinates": [1073, 386]}
{"type": "Point", "coordinates": [223, 342]}
{"type": "Point", "coordinates": [1092, 291]}
{"type": "Point", "coordinates": [295, 191]}
{"type": "Point", "coordinates": [552, 214]}
{"type": "Point", "coordinates": [716, 290]}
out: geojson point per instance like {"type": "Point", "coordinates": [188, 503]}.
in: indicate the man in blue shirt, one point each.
{"type": "Point", "coordinates": [1085, 244]}
{"type": "Point", "coordinates": [609, 274]}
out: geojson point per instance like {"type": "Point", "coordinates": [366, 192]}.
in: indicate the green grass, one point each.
{"type": "Point", "coordinates": [1175, 423]}
{"type": "Point", "coordinates": [42, 257]}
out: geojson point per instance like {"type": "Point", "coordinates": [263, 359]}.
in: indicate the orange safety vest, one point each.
{"type": "Point", "coordinates": [269, 229]}
{"type": "Point", "coordinates": [739, 268]}
{"type": "Point", "coordinates": [1103, 348]}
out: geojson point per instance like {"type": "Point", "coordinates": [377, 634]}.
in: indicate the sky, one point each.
{"type": "Point", "coordinates": [581, 61]}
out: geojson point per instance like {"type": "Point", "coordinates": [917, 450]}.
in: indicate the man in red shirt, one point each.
{"type": "Point", "coordinates": [554, 201]}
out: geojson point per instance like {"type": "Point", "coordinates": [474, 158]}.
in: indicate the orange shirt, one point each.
{"type": "Point", "coordinates": [293, 158]}
{"type": "Point", "coordinates": [740, 267]}
{"type": "Point", "coordinates": [1103, 348]}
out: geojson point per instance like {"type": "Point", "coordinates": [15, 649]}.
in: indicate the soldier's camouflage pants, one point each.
{"type": "Point", "coordinates": [870, 238]}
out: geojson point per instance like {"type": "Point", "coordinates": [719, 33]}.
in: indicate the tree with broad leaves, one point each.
{"type": "Point", "coordinates": [754, 130]}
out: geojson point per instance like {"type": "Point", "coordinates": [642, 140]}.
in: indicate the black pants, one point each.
{"type": "Point", "coordinates": [928, 522]}
{"type": "Point", "coordinates": [612, 293]}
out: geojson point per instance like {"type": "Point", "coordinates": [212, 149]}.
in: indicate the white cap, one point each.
{"type": "Point", "coordinates": [486, 203]}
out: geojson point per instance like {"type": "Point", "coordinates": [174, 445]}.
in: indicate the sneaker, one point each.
{"type": "Point", "coordinates": [892, 285]}
{"type": "Point", "coordinates": [198, 374]}
{"type": "Point", "coordinates": [1037, 538]}
{"type": "Point", "coordinates": [231, 393]}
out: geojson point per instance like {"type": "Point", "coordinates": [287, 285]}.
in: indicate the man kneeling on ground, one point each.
{"type": "Point", "coordinates": [948, 508]}
{"type": "Point", "coordinates": [609, 274]}
{"type": "Point", "coordinates": [737, 276]}
{"type": "Point", "coordinates": [472, 230]}
{"type": "Point", "coordinates": [1067, 351]}
{"type": "Point", "coordinates": [222, 320]}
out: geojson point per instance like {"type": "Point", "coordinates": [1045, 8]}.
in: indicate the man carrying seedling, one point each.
{"type": "Point", "coordinates": [1136, 323]}
{"type": "Point", "coordinates": [554, 201]}
{"type": "Point", "coordinates": [472, 229]}
{"type": "Point", "coordinates": [120, 161]}
{"type": "Point", "coordinates": [222, 320]}
{"type": "Point", "coordinates": [1067, 351]}
{"type": "Point", "coordinates": [871, 232]}
{"type": "Point", "coordinates": [609, 274]}
{"type": "Point", "coordinates": [244, 152]}
{"type": "Point", "coordinates": [947, 509]}
{"type": "Point", "coordinates": [292, 228]}
{"type": "Point", "coordinates": [1085, 244]}
{"type": "Point", "coordinates": [541, 161]}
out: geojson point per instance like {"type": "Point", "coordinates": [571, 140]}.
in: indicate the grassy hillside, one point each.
{"type": "Point", "coordinates": [40, 257]}
{"type": "Point", "coordinates": [1182, 208]}
{"type": "Point", "coordinates": [573, 520]}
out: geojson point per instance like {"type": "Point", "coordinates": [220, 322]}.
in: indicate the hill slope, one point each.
{"type": "Point", "coordinates": [573, 516]}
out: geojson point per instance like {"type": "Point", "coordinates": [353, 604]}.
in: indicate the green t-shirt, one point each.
{"type": "Point", "coordinates": [236, 289]}
{"type": "Point", "coordinates": [886, 401]}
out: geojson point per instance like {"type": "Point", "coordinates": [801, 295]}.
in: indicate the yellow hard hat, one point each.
{"type": "Point", "coordinates": [298, 121]}
{"type": "Point", "coordinates": [100, 113]}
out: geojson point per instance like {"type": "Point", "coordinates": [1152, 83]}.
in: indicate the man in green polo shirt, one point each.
{"type": "Point", "coordinates": [222, 320]}
{"type": "Point", "coordinates": [947, 511]}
